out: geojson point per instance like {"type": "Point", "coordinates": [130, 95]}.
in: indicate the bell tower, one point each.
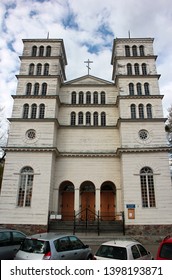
{"type": "Point", "coordinates": [32, 147]}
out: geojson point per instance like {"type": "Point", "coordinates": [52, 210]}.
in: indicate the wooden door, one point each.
{"type": "Point", "coordinates": [67, 206]}
{"type": "Point", "coordinates": [107, 205]}
{"type": "Point", "coordinates": [88, 206]}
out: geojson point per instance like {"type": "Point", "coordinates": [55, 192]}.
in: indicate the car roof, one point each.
{"type": "Point", "coordinates": [46, 236]}
{"type": "Point", "coordinates": [121, 242]}
{"type": "Point", "coordinates": [11, 230]}
{"type": "Point", "coordinates": [167, 239]}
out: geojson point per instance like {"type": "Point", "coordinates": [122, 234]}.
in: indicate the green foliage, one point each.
{"type": "Point", "coordinates": [1, 172]}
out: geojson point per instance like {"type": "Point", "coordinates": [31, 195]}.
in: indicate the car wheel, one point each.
{"type": "Point", "coordinates": [90, 257]}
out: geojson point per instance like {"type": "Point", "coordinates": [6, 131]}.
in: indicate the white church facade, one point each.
{"type": "Point", "coordinates": [87, 144]}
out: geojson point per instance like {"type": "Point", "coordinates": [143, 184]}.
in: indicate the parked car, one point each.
{"type": "Point", "coordinates": [51, 246]}
{"type": "Point", "coordinates": [10, 241]}
{"type": "Point", "coordinates": [165, 249]}
{"type": "Point", "coordinates": [122, 249]}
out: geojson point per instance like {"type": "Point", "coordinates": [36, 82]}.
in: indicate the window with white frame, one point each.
{"type": "Point", "coordinates": [73, 118]}
{"type": "Point", "coordinates": [33, 111]}
{"type": "Point", "coordinates": [147, 187]}
{"type": "Point", "coordinates": [80, 118]}
{"type": "Point", "coordinates": [25, 187]}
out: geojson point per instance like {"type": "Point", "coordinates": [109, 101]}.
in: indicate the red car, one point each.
{"type": "Point", "coordinates": [165, 249]}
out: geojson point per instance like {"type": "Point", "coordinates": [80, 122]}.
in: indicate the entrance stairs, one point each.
{"type": "Point", "coordinates": [84, 227]}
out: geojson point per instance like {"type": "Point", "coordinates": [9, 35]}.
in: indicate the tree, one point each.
{"type": "Point", "coordinates": [4, 127]}
{"type": "Point", "coordinates": [168, 126]}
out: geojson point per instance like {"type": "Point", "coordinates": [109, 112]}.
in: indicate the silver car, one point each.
{"type": "Point", "coordinates": [121, 249]}
{"type": "Point", "coordinates": [10, 241]}
{"type": "Point", "coordinates": [51, 246]}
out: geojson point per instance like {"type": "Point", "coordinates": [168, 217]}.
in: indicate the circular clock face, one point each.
{"type": "Point", "coordinates": [31, 134]}
{"type": "Point", "coordinates": [143, 134]}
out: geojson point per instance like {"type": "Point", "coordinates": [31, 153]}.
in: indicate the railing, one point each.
{"type": "Point", "coordinates": [87, 219]}
{"type": "Point", "coordinates": [83, 216]}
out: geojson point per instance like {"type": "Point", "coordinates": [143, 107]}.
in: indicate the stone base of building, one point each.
{"type": "Point", "coordinates": [130, 230]}
{"type": "Point", "coordinates": [148, 230]}
{"type": "Point", "coordinates": [27, 229]}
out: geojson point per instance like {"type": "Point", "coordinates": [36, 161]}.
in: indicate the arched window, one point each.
{"type": "Point", "coordinates": [88, 97]}
{"type": "Point", "coordinates": [146, 88]}
{"type": "Point", "coordinates": [149, 111]}
{"type": "Point", "coordinates": [129, 69]}
{"type": "Point", "coordinates": [133, 111]}
{"type": "Point", "coordinates": [25, 111]}
{"type": "Point", "coordinates": [36, 89]}
{"type": "Point", "coordinates": [144, 69]}
{"type": "Point", "coordinates": [102, 98]}
{"type": "Point", "coordinates": [25, 187]}
{"type": "Point", "coordinates": [39, 69]}
{"type": "Point", "coordinates": [41, 50]}
{"type": "Point", "coordinates": [141, 111]}
{"type": "Point", "coordinates": [73, 99]}
{"type": "Point", "coordinates": [88, 118]}
{"type": "Point", "coordinates": [46, 69]}
{"type": "Point", "coordinates": [127, 50]}
{"type": "Point", "coordinates": [147, 187]}
{"type": "Point", "coordinates": [134, 50]}
{"type": "Point", "coordinates": [139, 89]}
{"type": "Point", "coordinates": [81, 97]}
{"type": "Point", "coordinates": [34, 50]}
{"type": "Point", "coordinates": [95, 97]}
{"type": "Point", "coordinates": [33, 111]}
{"type": "Point", "coordinates": [48, 51]}
{"type": "Point", "coordinates": [131, 88]}
{"type": "Point", "coordinates": [103, 119]}
{"type": "Point", "coordinates": [142, 52]}
{"type": "Point", "coordinates": [44, 89]}
{"type": "Point", "coordinates": [95, 119]}
{"type": "Point", "coordinates": [80, 118]}
{"type": "Point", "coordinates": [28, 88]}
{"type": "Point", "coordinates": [31, 69]}
{"type": "Point", "coordinates": [41, 111]}
{"type": "Point", "coordinates": [73, 118]}
{"type": "Point", "coordinates": [136, 69]}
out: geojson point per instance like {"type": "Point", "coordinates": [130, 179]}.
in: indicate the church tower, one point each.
{"type": "Point", "coordinates": [143, 150]}
{"type": "Point", "coordinates": [32, 147]}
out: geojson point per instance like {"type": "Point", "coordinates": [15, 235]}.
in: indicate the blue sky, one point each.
{"type": "Point", "coordinates": [88, 28]}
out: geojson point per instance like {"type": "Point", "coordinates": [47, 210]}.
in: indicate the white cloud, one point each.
{"type": "Point", "coordinates": [84, 25]}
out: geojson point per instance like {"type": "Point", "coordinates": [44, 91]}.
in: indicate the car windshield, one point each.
{"type": "Point", "coordinates": [112, 252]}
{"type": "Point", "coordinates": [35, 246]}
{"type": "Point", "coordinates": [166, 251]}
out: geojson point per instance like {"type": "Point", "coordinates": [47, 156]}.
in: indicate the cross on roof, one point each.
{"type": "Point", "coordinates": [88, 66]}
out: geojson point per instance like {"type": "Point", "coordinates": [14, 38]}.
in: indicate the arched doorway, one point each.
{"type": "Point", "coordinates": [107, 201]}
{"type": "Point", "coordinates": [67, 200]}
{"type": "Point", "coordinates": [87, 195]}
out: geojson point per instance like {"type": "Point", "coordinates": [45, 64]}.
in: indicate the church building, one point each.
{"type": "Point", "coordinates": [87, 148]}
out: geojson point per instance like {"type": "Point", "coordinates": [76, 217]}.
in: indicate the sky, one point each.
{"type": "Point", "coordinates": [88, 28]}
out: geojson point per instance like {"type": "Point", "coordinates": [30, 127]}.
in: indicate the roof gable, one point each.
{"type": "Point", "coordinates": [88, 80]}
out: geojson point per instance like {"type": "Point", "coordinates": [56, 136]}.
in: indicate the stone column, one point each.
{"type": "Point", "coordinates": [76, 200]}
{"type": "Point", "coordinates": [97, 200]}
{"type": "Point", "coordinates": [55, 206]}
{"type": "Point", "coordinates": [118, 201]}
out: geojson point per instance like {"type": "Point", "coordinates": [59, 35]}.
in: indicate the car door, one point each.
{"type": "Point", "coordinates": [145, 255]}
{"type": "Point", "coordinates": [5, 245]}
{"type": "Point", "coordinates": [63, 248]}
{"type": "Point", "coordinates": [135, 253]}
{"type": "Point", "coordinates": [17, 238]}
{"type": "Point", "coordinates": [78, 249]}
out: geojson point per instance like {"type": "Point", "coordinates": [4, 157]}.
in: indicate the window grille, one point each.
{"type": "Point", "coordinates": [25, 187]}
{"type": "Point", "coordinates": [147, 187]}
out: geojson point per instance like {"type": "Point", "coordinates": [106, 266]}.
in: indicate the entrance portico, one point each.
{"type": "Point", "coordinates": [99, 201]}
